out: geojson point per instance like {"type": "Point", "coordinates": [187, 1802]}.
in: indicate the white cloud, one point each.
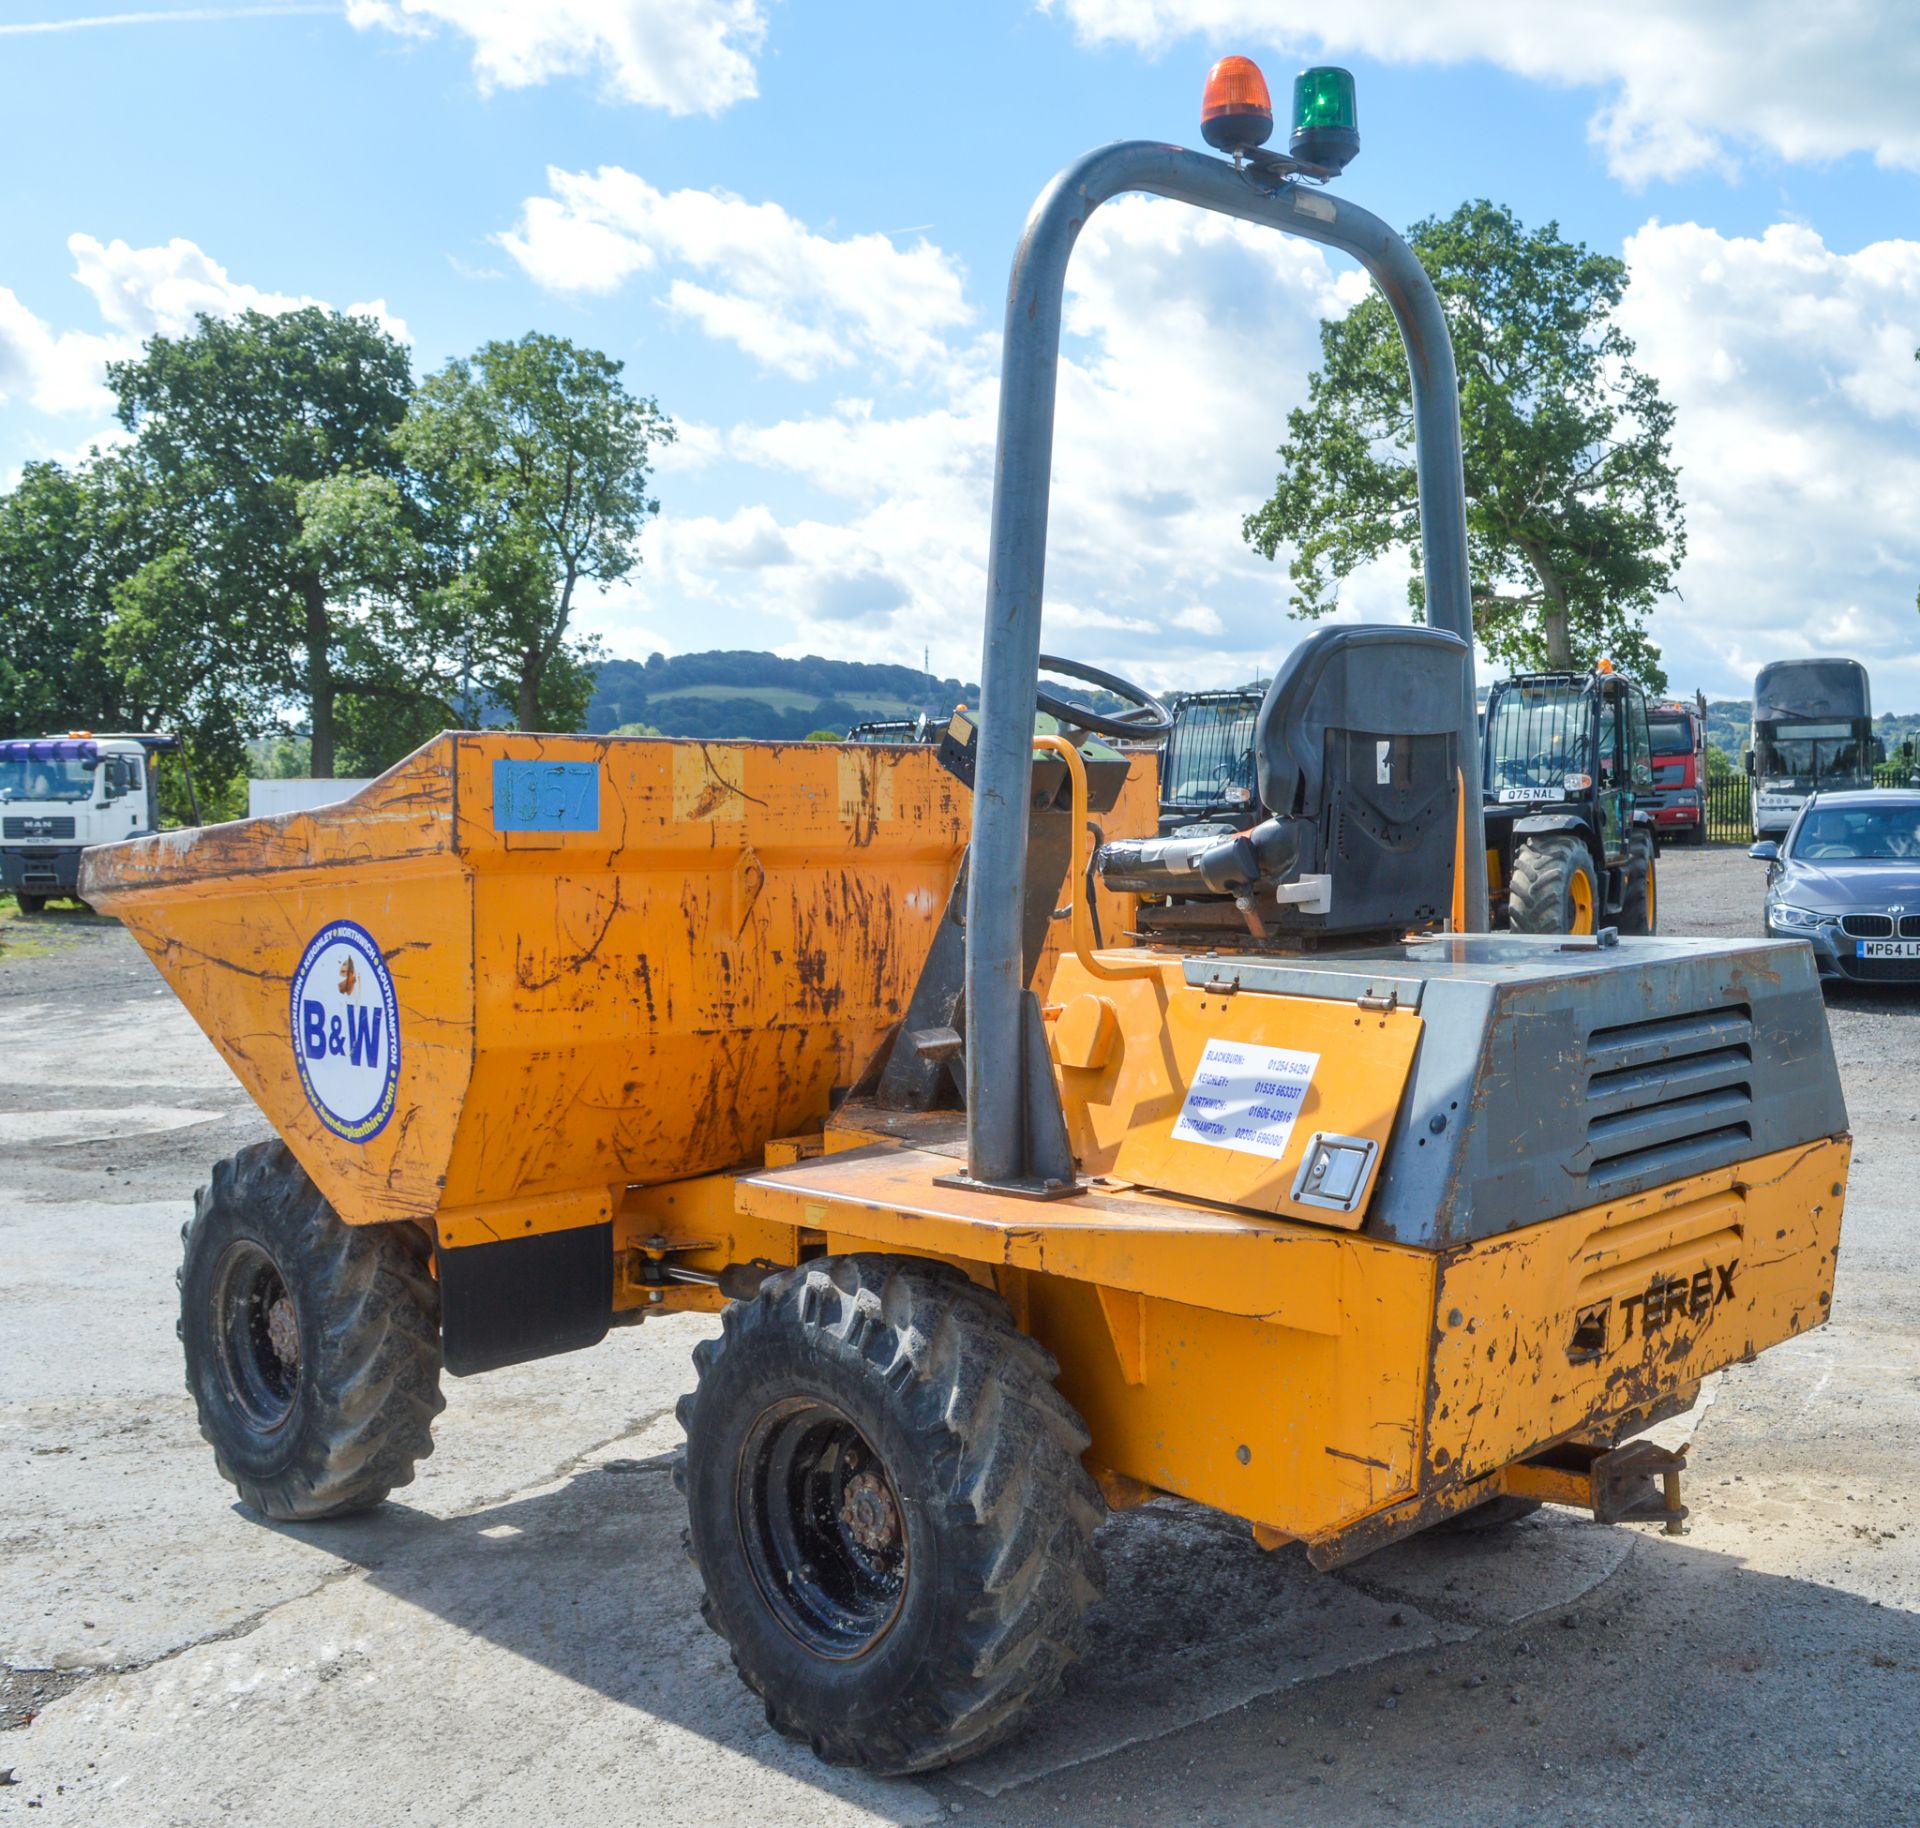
{"type": "Point", "coordinates": [139, 293]}
{"type": "Point", "coordinates": [159, 291]}
{"type": "Point", "coordinates": [1791, 369]}
{"type": "Point", "coordinates": [56, 372]}
{"type": "Point", "coordinates": [796, 301]}
{"type": "Point", "coordinates": [1687, 86]}
{"type": "Point", "coordinates": [1187, 339]}
{"type": "Point", "coordinates": [686, 56]}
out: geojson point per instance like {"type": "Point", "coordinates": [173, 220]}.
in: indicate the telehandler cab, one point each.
{"type": "Point", "coordinates": [1317, 1204]}
{"type": "Point", "coordinates": [1568, 787]}
{"type": "Point", "coordinates": [1206, 765]}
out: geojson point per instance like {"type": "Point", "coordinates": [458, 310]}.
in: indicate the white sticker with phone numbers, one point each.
{"type": "Point", "coordinates": [1246, 1097]}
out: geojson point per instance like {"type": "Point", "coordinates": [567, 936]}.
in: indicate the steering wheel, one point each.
{"type": "Point", "coordinates": [1147, 722]}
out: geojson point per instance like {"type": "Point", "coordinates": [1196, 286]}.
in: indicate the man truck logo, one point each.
{"type": "Point", "coordinates": [346, 1031]}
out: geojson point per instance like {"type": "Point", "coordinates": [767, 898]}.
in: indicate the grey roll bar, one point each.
{"type": "Point", "coordinates": [998, 1147]}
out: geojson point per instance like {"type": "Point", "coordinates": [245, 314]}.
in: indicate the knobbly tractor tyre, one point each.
{"type": "Point", "coordinates": [1553, 888]}
{"type": "Point", "coordinates": [886, 1504]}
{"type": "Point", "coordinates": [312, 1346]}
{"type": "Point", "coordinates": [1640, 905]}
{"type": "Point", "coordinates": [1496, 1514]}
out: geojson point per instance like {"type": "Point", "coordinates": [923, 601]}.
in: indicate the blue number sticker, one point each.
{"type": "Point", "coordinates": [546, 796]}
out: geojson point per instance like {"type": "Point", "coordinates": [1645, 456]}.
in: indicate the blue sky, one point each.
{"type": "Point", "coordinates": [792, 221]}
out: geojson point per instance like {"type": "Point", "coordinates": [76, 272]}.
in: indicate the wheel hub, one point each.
{"type": "Point", "coordinates": [256, 1330]}
{"type": "Point", "coordinates": [866, 1508]}
{"type": "Point", "coordinates": [825, 1536]}
{"type": "Point", "coordinates": [283, 1332]}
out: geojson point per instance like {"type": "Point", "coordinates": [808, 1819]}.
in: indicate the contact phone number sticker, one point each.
{"type": "Point", "coordinates": [1246, 1097]}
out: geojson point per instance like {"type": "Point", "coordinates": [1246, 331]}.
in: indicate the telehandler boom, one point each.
{"type": "Point", "coordinates": [1313, 1201]}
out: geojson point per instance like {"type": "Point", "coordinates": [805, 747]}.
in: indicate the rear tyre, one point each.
{"type": "Point", "coordinates": [312, 1346]}
{"type": "Point", "coordinates": [886, 1504]}
{"type": "Point", "coordinates": [32, 904]}
{"type": "Point", "coordinates": [1553, 889]}
{"type": "Point", "coordinates": [1495, 1514]}
{"type": "Point", "coordinates": [1640, 905]}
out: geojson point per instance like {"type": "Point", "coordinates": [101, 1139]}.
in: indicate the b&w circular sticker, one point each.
{"type": "Point", "coordinates": [346, 1031]}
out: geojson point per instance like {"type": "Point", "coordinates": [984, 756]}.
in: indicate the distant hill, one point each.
{"type": "Point", "coordinates": [734, 692]}
{"type": "Point", "coordinates": [1730, 722]}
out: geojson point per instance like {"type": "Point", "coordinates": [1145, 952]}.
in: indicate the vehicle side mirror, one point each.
{"type": "Point", "coordinates": [1879, 752]}
{"type": "Point", "coordinates": [1766, 851]}
{"type": "Point", "coordinates": [1747, 761]}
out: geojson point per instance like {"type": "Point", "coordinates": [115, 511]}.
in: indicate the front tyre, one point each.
{"type": "Point", "coordinates": [886, 1504]}
{"type": "Point", "coordinates": [1553, 888]}
{"type": "Point", "coordinates": [31, 904]}
{"type": "Point", "coordinates": [312, 1346]}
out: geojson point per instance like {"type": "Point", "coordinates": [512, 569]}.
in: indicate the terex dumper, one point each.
{"type": "Point", "coordinates": [1288, 1189]}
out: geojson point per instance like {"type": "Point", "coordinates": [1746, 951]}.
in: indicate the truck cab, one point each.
{"type": "Point", "coordinates": [59, 794]}
{"type": "Point", "coordinates": [1678, 801]}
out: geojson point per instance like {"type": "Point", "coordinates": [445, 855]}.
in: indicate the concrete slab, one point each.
{"type": "Point", "coordinates": [1198, 1621]}
{"type": "Point", "coordinates": [540, 1660]}
{"type": "Point", "coordinates": [517, 1640]}
{"type": "Point", "coordinates": [79, 1124]}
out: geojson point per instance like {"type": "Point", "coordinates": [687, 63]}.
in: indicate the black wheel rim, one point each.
{"type": "Point", "coordinates": [824, 1530]}
{"type": "Point", "coordinates": [256, 1329]}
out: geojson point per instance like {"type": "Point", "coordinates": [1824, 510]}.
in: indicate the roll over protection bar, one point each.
{"type": "Point", "coordinates": [997, 1142]}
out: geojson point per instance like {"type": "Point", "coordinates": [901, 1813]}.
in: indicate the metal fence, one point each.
{"type": "Point", "coordinates": [1730, 810]}
{"type": "Point", "coordinates": [1730, 801]}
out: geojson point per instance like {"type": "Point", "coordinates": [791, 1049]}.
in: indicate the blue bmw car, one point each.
{"type": "Point", "coordinates": [1846, 878]}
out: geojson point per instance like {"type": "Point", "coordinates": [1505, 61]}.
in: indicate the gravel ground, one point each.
{"type": "Point", "coordinates": [516, 1637]}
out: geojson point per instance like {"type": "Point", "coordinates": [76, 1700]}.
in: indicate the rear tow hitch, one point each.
{"type": "Point", "coordinates": [1637, 1483]}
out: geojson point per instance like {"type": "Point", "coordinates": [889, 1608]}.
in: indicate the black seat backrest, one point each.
{"type": "Point", "coordinates": [1358, 741]}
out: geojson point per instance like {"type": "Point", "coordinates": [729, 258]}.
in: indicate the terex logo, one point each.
{"type": "Point", "coordinates": [1604, 1325]}
{"type": "Point", "coordinates": [346, 1031]}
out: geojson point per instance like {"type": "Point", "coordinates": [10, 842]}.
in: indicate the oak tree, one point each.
{"type": "Point", "coordinates": [1574, 521]}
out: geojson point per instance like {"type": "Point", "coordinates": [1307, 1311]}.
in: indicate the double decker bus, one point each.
{"type": "Point", "coordinates": [1812, 731]}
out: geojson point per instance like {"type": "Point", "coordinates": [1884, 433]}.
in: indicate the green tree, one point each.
{"type": "Point", "coordinates": [1574, 520]}
{"type": "Point", "coordinates": [80, 549]}
{"type": "Point", "coordinates": [533, 463]}
{"type": "Point", "coordinates": [57, 573]}
{"type": "Point", "coordinates": [233, 423]}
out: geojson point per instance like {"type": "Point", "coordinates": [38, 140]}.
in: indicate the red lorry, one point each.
{"type": "Point", "coordinates": [1679, 729]}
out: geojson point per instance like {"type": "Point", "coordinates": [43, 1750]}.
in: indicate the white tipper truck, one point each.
{"type": "Point", "coordinates": [59, 794]}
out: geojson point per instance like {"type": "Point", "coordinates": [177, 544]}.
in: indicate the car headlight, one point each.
{"type": "Point", "coordinates": [1799, 920]}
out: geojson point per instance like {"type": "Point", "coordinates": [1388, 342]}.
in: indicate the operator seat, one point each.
{"type": "Point", "coordinates": [1357, 754]}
